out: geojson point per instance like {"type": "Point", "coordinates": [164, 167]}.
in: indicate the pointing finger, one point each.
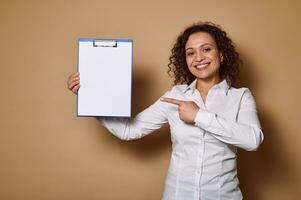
{"type": "Point", "coordinates": [171, 100]}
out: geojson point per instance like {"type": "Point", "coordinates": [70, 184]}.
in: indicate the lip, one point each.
{"type": "Point", "coordinates": [202, 65]}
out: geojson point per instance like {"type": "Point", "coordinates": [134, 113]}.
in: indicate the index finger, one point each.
{"type": "Point", "coordinates": [171, 100]}
{"type": "Point", "coordinates": [74, 75]}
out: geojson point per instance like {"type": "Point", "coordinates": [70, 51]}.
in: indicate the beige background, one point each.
{"type": "Point", "coordinates": [46, 152]}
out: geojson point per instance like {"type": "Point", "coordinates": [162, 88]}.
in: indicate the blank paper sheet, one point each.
{"type": "Point", "coordinates": [105, 68]}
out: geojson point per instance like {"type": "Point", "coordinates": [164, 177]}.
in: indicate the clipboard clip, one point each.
{"type": "Point", "coordinates": [105, 43]}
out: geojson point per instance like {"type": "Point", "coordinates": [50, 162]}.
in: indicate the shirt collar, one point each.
{"type": "Point", "coordinates": [223, 85]}
{"type": "Point", "coordinates": [192, 86]}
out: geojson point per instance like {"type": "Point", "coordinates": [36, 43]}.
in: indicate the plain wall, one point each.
{"type": "Point", "coordinates": [46, 152]}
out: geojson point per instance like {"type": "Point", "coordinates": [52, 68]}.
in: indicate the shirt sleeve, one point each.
{"type": "Point", "coordinates": [147, 121]}
{"type": "Point", "coordinates": [245, 132]}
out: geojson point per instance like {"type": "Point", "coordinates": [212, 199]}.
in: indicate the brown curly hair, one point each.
{"type": "Point", "coordinates": [229, 67]}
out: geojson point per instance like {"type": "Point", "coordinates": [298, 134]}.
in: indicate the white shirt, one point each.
{"type": "Point", "coordinates": [203, 160]}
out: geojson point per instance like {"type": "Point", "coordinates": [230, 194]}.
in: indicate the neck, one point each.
{"type": "Point", "coordinates": [203, 86]}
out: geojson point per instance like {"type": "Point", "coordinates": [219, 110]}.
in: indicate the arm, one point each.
{"type": "Point", "coordinates": [147, 121]}
{"type": "Point", "coordinates": [245, 132]}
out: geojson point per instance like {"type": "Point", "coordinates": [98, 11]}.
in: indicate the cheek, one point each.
{"type": "Point", "coordinates": [188, 61]}
{"type": "Point", "coordinates": [218, 61]}
{"type": "Point", "coordinates": [216, 58]}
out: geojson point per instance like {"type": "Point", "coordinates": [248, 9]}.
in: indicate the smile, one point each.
{"type": "Point", "coordinates": [201, 66]}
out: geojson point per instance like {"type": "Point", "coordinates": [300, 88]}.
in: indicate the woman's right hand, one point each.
{"type": "Point", "coordinates": [73, 82]}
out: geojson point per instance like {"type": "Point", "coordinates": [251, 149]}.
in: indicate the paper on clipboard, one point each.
{"type": "Point", "coordinates": [105, 67]}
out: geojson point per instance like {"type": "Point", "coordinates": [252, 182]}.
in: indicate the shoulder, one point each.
{"type": "Point", "coordinates": [239, 91]}
{"type": "Point", "coordinates": [244, 95]}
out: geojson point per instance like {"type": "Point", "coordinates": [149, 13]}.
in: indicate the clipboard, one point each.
{"type": "Point", "coordinates": [105, 67]}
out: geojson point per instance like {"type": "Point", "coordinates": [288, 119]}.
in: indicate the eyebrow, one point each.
{"type": "Point", "coordinates": [200, 46]}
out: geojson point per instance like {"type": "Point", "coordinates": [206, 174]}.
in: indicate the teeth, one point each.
{"type": "Point", "coordinates": [202, 66]}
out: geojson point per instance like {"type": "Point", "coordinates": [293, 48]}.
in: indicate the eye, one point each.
{"type": "Point", "coordinates": [206, 49]}
{"type": "Point", "coordinates": [189, 53]}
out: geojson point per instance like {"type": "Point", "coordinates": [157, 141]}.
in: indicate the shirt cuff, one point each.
{"type": "Point", "coordinates": [204, 118]}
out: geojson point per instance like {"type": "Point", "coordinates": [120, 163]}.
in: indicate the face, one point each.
{"type": "Point", "coordinates": [202, 56]}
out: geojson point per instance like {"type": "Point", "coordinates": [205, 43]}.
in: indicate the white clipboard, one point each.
{"type": "Point", "coordinates": [105, 67]}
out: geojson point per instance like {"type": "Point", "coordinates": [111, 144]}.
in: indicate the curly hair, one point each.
{"type": "Point", "coordinates": [229, 67]}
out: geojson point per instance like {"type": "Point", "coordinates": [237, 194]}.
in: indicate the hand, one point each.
{"type": "Point", "coordinates": [187, 109]}
{"type": "Point", "coordinates": [73, 82]}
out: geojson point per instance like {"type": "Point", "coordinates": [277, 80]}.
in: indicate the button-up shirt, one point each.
{"type": "Point", "coordinates": [203, 160]}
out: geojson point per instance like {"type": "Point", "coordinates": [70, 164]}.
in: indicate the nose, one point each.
{"type": "Point", "coordinates": [199, 56]}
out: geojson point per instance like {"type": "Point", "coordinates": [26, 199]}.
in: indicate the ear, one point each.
{"type": "Point", "coordinates": [221, 56]}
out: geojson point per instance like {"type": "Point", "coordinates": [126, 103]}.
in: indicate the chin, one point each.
{"type": "Point", "coordinates": [204, 74]}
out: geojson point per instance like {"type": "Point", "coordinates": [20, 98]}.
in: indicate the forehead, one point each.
{"type": "Point", "coordinates": [199, 38]}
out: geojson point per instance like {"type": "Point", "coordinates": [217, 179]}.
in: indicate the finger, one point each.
{"type": "Point", "coordinates": [72, 75]}
{"type": "Point", "coordinates": [72, 78]}
{"type": "Point", "coordinates": [73, 84]}
{"type": "Point", "coordinates": [171, 100]}
{"type": "Point", "coordinates": [76, 74]}
{"type": "Point", "coordinates": [75, 89]}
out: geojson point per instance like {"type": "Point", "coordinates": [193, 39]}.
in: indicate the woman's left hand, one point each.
{"type": "Point", "coordinates": [187, 109]}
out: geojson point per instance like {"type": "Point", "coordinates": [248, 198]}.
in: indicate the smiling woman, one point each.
{"type": "Point", "coordinates": [208, 117]}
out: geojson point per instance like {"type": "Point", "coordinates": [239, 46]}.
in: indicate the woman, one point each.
{"type": "Point", "coordinates": [208, 117]}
